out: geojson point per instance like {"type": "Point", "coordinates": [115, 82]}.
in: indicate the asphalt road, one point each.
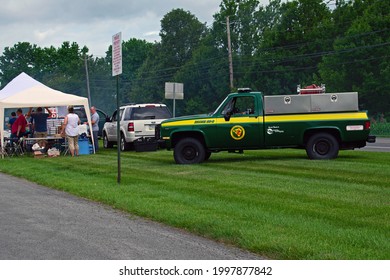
{"type": "Point", "coordinates": [38, 223]}
{"type": "Point", "coordinates": [380, 145]}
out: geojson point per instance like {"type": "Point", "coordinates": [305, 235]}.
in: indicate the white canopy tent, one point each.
{"type": "Point", "coordinates": [23, 92]}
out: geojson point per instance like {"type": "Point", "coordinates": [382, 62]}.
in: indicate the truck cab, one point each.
{"type": "Point", "coordinates": [240, 118]}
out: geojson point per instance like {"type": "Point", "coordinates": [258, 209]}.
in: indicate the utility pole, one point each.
{"type": "Point", "coordinates": [87, 75]}
{"type": "Point", "coordinates": [230, 53]}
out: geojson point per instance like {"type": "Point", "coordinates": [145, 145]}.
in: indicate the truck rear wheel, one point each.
{"type": "Point", "coordinates": [188, 151]}
{"type": "Point", "coordinates": [322, 146]}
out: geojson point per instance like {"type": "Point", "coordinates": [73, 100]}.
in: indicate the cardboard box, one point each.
{"type": "Point", "coordinates": [39, 154]}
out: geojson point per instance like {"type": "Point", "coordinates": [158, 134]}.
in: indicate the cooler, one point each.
{"type": "Point", "coordinates": [84, 146]}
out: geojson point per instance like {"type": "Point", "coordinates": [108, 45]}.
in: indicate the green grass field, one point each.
{"type": "Point", "coordinates": [276, 203]}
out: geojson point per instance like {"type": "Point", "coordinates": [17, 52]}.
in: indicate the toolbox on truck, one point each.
{"type": "Point", "coordinates": [311, 103]}
{"type": "Point", "coordinates": [335, 102]}
{"type": "Point", "coordinates": [287, 104]}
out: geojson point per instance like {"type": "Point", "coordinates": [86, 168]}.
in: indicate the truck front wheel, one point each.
{"type": "Point", "coordinates": [322, 146]}
{"type": "Point", "coordinates": [188, 151]}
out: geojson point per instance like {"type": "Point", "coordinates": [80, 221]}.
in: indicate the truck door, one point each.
{"type": "Point", "coordinates": [240, 123]}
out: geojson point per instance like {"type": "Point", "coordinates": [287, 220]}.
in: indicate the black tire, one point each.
{"type": "Point", "coordinates": [188, 151]}
{"type": "Point", "coordinates": [124, 146]}
{"type": "Point", "coordinates": [322, 146]}
{"type": "Point", "coordinates": [106, 144]}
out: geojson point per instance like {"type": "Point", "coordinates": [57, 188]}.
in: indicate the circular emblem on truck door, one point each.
{"type": "Point", "coordinates": [237, 132]}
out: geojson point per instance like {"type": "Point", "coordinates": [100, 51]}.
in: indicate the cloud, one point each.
{"type": "Point", "coordinates": [90, 23]}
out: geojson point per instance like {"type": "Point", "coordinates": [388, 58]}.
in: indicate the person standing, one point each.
{"type": "Point", "coordinates": [11, 120]}
{"type": "Point", "coordinates": [95, 127]}
{"type": "Point", "coordinates": [40, 124]}
{"type": "Point", "coordinates": [71, 131]}
{"type": "Point", "coordinates": [18, 128]}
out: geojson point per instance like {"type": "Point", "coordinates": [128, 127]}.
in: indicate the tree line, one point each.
{"type": "Point", "coordinates": [343, 44]}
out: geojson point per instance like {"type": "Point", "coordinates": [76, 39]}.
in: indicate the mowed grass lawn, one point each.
{"type": "Point", "coordinates": [276, 203]}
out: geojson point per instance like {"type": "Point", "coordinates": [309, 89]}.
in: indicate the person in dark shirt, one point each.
{"type": "Point", "coordinates": [11, 120]}
{"type": "Point", "coordinates": [40, 124]}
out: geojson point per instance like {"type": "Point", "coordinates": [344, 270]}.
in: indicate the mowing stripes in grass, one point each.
{"type": "Point", "coordinates": [275, 203]}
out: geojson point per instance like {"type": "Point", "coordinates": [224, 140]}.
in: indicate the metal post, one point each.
{"type": "Point", "coordinates": [118, 133]}
{"type": "Point", "coordinates": [174, 99]}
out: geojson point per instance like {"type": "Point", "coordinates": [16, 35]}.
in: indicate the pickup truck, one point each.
{"type": "Point", "coordinates": [246, 120]}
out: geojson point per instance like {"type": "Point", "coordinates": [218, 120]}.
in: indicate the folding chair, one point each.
{"type": "Point", "coordinates": [3, 151]}
{"type": "Point", "coordinates": [65, 147]}
{"type": "Point", "coordinates": [16, 147]}
{"type": "Point", "coordinates": [6, 150]}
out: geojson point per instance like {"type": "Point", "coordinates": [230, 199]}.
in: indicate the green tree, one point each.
{"type": "Point", "coordinates": [205, 78]}
{"type": "Point", "coordinates": [292, 46]}
{"type": "Point", "coordinates": [22, 57]}
{"type": "Point", "coordinates": [134, 54]}
{"type": "Point", "coordinates": [181, 33]}
{"type": "Point", "coordinates": [102, 84]}
{"type": "Point", "coordinates": [66, 71]}
{"type": "Point", "coordinates": [360, 58]}
{"type": "Point", "coordinates": [244, 30]}
{"type": "Point", "coordinates": [58, 68]}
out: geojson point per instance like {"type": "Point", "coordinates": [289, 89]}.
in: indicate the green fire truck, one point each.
{"type": "Point", "coordinates": [322, 123]}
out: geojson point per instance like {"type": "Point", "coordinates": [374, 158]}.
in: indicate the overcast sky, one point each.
{"type": "Point", "coordinates": [90, 23]}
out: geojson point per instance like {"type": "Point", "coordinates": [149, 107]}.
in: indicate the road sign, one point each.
{"type": "Point", "coordinates": [174, 91]}
{"type": "Point", "coordinates": [117, 54]}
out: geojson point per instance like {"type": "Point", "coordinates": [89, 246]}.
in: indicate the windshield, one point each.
{"type": "Point", "coordinates": [220, 105]}
{"type": "Point", "coordinates": [149, 113]}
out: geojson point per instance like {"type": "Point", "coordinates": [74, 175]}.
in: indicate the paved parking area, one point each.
{"type": "Point", "coordinates": [381, 145]}
{"type": "Point", "coordinates": [41, 223]}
